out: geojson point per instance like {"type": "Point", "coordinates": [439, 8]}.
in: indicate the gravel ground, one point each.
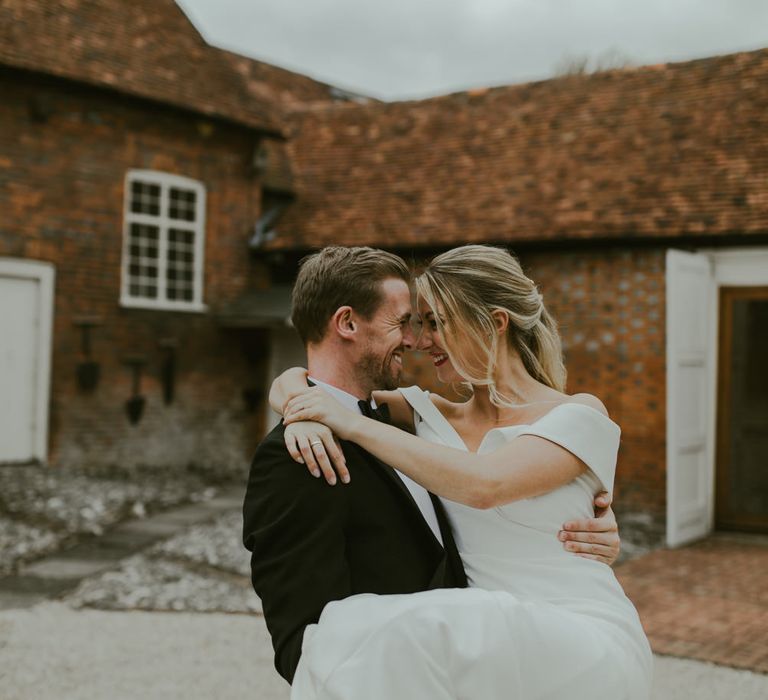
{"type": "Point", "coordinates": [142, 583]}
{"type": "Point", "coordinates": [219, 545]}
{"type": "Point", "coordinates": [21, 542]}
{"type": "Point", "coordinates": [43, 509]}
{"type": "Point", "coordinates": [124, 656]}
{"type": "Point", "coordinates": [204, 569]}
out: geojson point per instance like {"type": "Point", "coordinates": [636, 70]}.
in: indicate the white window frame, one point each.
{"type": "Point", "coordinates": [165, 181]}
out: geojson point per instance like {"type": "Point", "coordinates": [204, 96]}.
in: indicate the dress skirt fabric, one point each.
{"type": "Point", "coordinates": [463, 644]}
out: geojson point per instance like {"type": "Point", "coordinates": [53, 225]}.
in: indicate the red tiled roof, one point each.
{"type": "Point", "coordinates": [269, 83]}
{"type": "Point", "coordinates": [148, 48]}
{"type": "Point", "coordinates": [659, 151]}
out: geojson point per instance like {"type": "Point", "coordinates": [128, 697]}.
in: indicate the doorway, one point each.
{"type": "Point", "coordinates": [716, 456]}
{"type": "Point", "coordinates": [26, 313]}
{"type": "Point", "coordinates": [741, 493]}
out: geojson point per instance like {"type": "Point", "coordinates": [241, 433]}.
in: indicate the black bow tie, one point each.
{"type": "Point", "coordinates": [380, 413]}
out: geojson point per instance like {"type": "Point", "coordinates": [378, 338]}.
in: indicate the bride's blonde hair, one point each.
{"type": "Point", "coordinates": [467, 285]}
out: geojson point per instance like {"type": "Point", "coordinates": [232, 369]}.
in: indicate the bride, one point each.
{"type": "Point", "coordinates": [510, 464]}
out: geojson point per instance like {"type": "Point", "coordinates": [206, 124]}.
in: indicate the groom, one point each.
{"type": "Point", "coordinates": [382, 533]}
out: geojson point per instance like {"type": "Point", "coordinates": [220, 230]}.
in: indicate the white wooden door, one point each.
{"type": "Point", "coordinates": [689, 361]}
{"type": "Point", "coordinates": [25, 337]}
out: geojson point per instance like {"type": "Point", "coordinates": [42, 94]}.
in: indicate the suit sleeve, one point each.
{"type": "Point", "coordinates": [294, 526]}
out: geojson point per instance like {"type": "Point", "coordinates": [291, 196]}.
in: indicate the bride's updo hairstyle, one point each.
{"type": "Point", "coordinates": [468, 284]}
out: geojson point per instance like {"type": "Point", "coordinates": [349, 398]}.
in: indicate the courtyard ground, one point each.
{"type": "Point", "coordinates": [52, 652]}
{"type": "Point", "coordinates": [707, 601]}
{"type": "Point", "coordinates": [160, 606]}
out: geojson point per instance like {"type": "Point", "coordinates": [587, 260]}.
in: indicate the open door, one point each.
{"type": "Point", "coordinates": [689, 359]}
{"type": "Point", "coordinates": [742, 416]}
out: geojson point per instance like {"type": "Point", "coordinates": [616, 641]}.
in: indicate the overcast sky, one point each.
{"type": "Point", "coordinates": [395, 49]}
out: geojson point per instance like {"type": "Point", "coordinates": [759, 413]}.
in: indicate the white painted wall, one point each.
{"type": "Point", "coordinates": [26, 316]}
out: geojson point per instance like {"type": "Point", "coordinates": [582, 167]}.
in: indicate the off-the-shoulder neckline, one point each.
{"type": "Point", "coordinates": [515, 425]}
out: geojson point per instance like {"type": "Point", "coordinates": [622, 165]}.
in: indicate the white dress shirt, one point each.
{"type": "Point", "coordinates": [419, 493]}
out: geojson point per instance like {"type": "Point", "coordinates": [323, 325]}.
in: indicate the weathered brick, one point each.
{"type": "Point", "coordinates": [63, 203]}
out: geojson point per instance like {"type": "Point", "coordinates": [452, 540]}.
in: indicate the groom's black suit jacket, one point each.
{"type": "Point", "coordinates": [312, 543]}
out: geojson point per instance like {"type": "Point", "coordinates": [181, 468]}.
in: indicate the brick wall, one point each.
{"type": "Point", "coordinates": [64, 152]}
{"type": "Point", "coordinates": [610, 305]}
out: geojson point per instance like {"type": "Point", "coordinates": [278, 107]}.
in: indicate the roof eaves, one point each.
{"type": "Point", "coordinates": [267, 127]}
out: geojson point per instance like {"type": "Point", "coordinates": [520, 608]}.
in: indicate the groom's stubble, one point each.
{"type": "Point", "coordinates": [379, 372]}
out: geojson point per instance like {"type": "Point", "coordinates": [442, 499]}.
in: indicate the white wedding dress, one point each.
{"type": "Point", "coordinates": [537, 623]}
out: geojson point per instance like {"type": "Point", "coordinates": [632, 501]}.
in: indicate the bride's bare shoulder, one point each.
{"type": "Point", "coordinates": [588, 400]}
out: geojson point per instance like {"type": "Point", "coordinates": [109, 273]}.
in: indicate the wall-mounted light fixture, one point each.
{"type": "Point", "coordinates": [88, 370]}
{"type": "Point", "coordinates": [168, 368]}
{"type": "Point", "coordinates": [134, 406]}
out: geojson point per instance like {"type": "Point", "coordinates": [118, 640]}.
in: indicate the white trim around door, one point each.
{"type": "Point", "coordinates": [43, 274]}
{"type": "Point", "coordinates": [693, 305]}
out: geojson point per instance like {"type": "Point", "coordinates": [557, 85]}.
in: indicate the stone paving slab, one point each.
{"type": "Point", "coordinates": [151, 527]}
{"type": "Point", "coordinates": [66, 568]}
{"type": "Point", "coordinates": [113, 546]}
{"type": "Point", "coordinates": [184, 517]}
{"type": "Point", "coordinates": [707, 601]}
{"type": "Point", "coordinates": [11, 600]}
{"type": "Point", "coordinates": [225, 501]}
{"type": "Point", "coordinates": [16, 587]}
{"type": "Point", "coordinates": [61, 572]}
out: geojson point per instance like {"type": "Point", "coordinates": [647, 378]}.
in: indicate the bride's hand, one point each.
{"type": "Point", "coordinates": [314, 445]}
{"type": "Point", "coordinates": [316, 405]}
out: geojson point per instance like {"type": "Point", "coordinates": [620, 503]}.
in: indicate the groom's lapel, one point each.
{"type": "Point", "coordinates": [452, 557]}
{"type": "Point", "coordinates": [442, 519]}
{"type": "Point", "coordinates": [392, 476]}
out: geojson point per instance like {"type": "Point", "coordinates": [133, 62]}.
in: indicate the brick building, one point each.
{"type": "Point", "coordinates": [638, 199]}
{"type": "Point", "coordinates": [130, 183]}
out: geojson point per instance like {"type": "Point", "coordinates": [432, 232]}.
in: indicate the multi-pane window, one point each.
{"type": "Point", "coordinates": [163, 241]}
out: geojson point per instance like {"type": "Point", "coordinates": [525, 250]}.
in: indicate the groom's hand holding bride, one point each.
{"type": "Point", "coordinates": [594, 538]}
{"type": "Point", "coordinates": [314, 444]}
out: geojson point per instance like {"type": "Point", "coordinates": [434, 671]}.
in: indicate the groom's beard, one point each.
{"type": "Point", "coordinates": [380, 372]}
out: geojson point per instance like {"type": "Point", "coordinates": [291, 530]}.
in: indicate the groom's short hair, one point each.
{"type": "Point", "coordinates": [338, 276]}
